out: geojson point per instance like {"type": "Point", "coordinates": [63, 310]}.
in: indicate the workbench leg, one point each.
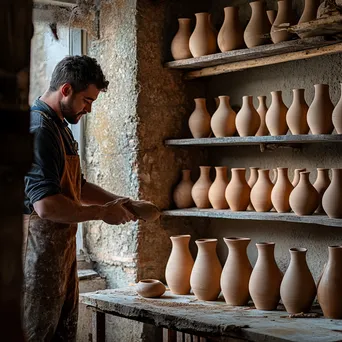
{"type": "Point", "coordinates": [98, 326]}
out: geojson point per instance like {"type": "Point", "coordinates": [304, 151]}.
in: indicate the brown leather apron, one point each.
{"type": "Point", "coordinates": [50, 268]}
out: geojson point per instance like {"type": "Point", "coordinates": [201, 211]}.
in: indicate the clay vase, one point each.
{"type": "Point", "coordinates": [182, 193]}
{"type": "Point", "coordinates": [329, 288]}
{"type": "Point", "coordinates": [284, 16]}
{"type": "Point", "coordinates": [296, 115]}
{"type": "Point", "coordinates": [281, 191]}
{"type": "Point", "coordinates": [264, 284]}
{"type": "Point", "coordinates": [230, 36]}
{"type": "Point", "coordinates": [271, 15]}
{"type": "Point", "coordinates": [150, 288]}
{"type": "Point", "coordinates": [309, 13]}
{"type": "Point", "coordinates": [276, 115]}
{"type": "Point", "coordinates": [206, 273]}
{"type": "Point", "coordinates": [179, 266]}
{"type": "Point", "coordinates": [262, 110]}
{"type": "Point", "coordinates": [298, 288]}
{"type": "Point", "coordinates": [223, 121]}
{"type": "Point", "coordinates": [332, 197]}
{"type": "Point", "coordinates": [143, 210]}
{"type": "Point", "coordinates": [337, 116]}
{"type": "Point", "coordinates": [321, 184]}
{"type": "Point", "coordinates": [258, 27]}
{"type": "Point", "coordinates": [217, 190]}
{"type": "Point", "coordinates": [253, 177]}
{"type": "Point", "coordinates": [236, 272]}
{"type": "Point", "coordinates": [200, 190]}
{"type": "Point", "coordinates": [203, 40]}
{"type": "Point", "coordinates": [237, 192]}
{"type": "Point", "coordinates": [296, 173]}
{"type": "Point", "coordinates": [319, 115]}
{"type": "Point", "coordinates": [247, 119]}
{"type": "Point", "coordinates": [199, 120]}
{"type": "Point", "coordinates": [180, 42]}
{"type": "Point", "coordinates": [261, 192]}
{"type": "Point", "coordinates": [304, 198]}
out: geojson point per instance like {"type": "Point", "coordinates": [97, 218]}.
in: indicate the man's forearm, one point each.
{"type": "Point", "coordinates": [59, 208]}
{"type": "Point", "coordinates": [93, 194]}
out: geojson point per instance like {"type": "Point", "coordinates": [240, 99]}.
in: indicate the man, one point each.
{"type": "Point", "coordinates": [57, 197]}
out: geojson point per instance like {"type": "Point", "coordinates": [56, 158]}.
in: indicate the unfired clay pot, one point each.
{"type": "Point", "coordinates": [296, 115]}
{"type": "Point", "coordinates": [319, 115]}
{"type": "Point", "coordinates": [247, 119]}
{"type": "Point", "coordinates": [253, 177]}
{"type": "Point", "coordinates": [258, 27]}
{"type": "Point", "coordinates": [298, 288]}
{"type": "Point", "coordinates": [284, 16]}
{"type": "Point", "coordinates": [296, 173]}
{"type": "Point", "coordinates": [264, 284]}
{"type": "Point", "coordinates": [281, 191]}
{"type": "Point", "coordinates": [200, 190]}
{"type": "Point", "coordinates": [276, 115]}
{"type": "Point", "coordinates": [206, 273]}
{"type": "Point", "coordinates": [237, 192]}
{"type": "Point", "coordinates": [261, 192]}
{"type": "Point", "coordinates": [180, 42]}
{"type": "Point", "coordinates": [143, 210]}
{"type": "Point", "coordinates": [199, 120]}
{"type": "Point", "coordinates": [217, 190]}
{"type": "Point", "coordinates": [262, 110]}
{"type": "Point", "coordinates": [150, 288]}
{"type": "Point", "coordinates": [236, 272]}
{"type": "Point", "coordinates": [203, 40]}
{"type": "Point", "coordinates": [223, 121]}
{"type": "Point", "coordinates": [230, 36]}
{"type": "Point", "coordinates": [337, 116]}
{"type": "Point", "coordinates": [179, 265]}
{"type": "Point", "coordinates": [332, 198]}
{"type": "Point", "coordinates": [182, 193]}
{"type": "Point", "coordinates": [329, 288]}
{"type": "Point", "coordinates": [304, 198]}
{"type": "Point", "coordinates": [271, 14]}
{"type": "Point", "coordinates": [321, 184]}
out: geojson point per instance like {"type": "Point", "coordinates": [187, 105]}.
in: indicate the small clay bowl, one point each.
{"type": "Point", "coordinates": [150, 288]}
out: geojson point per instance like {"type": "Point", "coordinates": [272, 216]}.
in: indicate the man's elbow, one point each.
{"type": "Point", "coordinates": [43, 209]}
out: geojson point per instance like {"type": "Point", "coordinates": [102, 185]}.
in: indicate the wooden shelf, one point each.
{"type": "Point", "coordinates": [253, 215]}
{"type": "Point", "coordinates": [235, 141]}
{"type": "Point", "coordinates": [242, 59]}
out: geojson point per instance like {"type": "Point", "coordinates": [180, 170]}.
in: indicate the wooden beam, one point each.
{"type": "Point", "coordinates": [98, 326]}
{"type": "Point", "coordinates": [282, 58]}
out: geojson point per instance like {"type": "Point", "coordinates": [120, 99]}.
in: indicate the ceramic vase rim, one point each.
{"type": "Point", "coordinates": [204, 167]}
{"type": "Point", "coordinates": [205, 240]}
{"type": "Point", "coordinates": [336, 169]}
{"type": "Point", "coordinates": [224, 97]}
{"type": "Point", "coordinates": [180, 236]}
{"type": "Point", "coordinates": [199, 99]}
{"type": "Point", "coordinates": [322, 169]}
{"type": "Point", "coordinates": [298, 250]}
{"type": "Point", "coordinates": [265, 244]}
{"type": "Point", "coordinates": [238, 169]}
{"type": "Point", "coordinates": [184, 19]}
{"type": "Point", "coordinates": [236, 238]}
{"type": "Point", "coordinates": [221, 167]}
{"type": "Point", "coordinates": [335, 247]}
{"type": "Point", "coordinates": [282, 168]}
{"type": "Point", "coordinates": [201, 13]}
{"type": "Point", "coordinates": [304, 172]}
{"type": "Point", "coordinates": [149, 281]}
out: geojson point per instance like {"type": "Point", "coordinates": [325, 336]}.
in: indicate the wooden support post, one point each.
{"type": "Point", "coordinates": [98, 326]}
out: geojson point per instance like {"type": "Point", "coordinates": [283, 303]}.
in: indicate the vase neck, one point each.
{"type": "Point", "coordinates": [321, 89]}
{"type": "Point", "coordinates": [202, 18]}
{"type": "Point", "coordinates": [298, 255]}
{"type": "Point", "coordinates": [239, 175]}
{"type": "Point", "coordinates": [237, 246]}
{"type": "Point", "coordinates": [180, 241]}
{"type": "Point", "coordinates": [264, 174]}
{"type": "Point", "coordinates": [266, 251]}
{"type": "Point", "coordinates": [247, 101]}
{"type": "Point", "coordinates": [186, 175]}
{"type": "Point", "coordinates": [262, 99]}
{"type": "Point", "coordinates": [304, 177]}
{"type": "Point", "coordinates": [205, 171]}
{"type": "Point", "coordinates": [284, 6]}
{"type": "Point", "coordinates": [221, 172]}
{"type": "Point", "coordinates": [206, 246]}
{"type": "Point", "coordinates": [276, 95]}
{"type": "Point", "coordinates": [224, 100]}
{"type": "Point", "coordinates": [336, 175]}
{"type": "Point", "coordinates": [335, 254]}
{"type": "Point", "coordinates": [230, 13]}
{"type": "Point", "coordinates": [298, 95]}
{"type": "Point", "coordinates": [200, 103]}
{"type": "Point", "coordinates": [282, 172]}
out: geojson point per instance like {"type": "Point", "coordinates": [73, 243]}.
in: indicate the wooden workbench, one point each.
{"type": "Point", "coordinates": [208, 319]}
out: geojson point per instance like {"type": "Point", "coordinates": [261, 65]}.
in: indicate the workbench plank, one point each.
{"type": "Point", "coordinates": [253, 215]}
{"type": "Point", "coordinates": [213, 319]}
{"type": "Point", "coordinates": [257, 140]}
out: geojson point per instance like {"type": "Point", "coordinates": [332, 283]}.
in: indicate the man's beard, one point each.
{"type": "Point", "coordinates": [69, 115]}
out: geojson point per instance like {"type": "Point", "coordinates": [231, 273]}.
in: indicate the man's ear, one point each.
{"type": "Point", "coordinates": [66, 89]}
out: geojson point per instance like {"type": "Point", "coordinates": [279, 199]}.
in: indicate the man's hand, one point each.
{"type": "Point", "coordinates": [115, 213]}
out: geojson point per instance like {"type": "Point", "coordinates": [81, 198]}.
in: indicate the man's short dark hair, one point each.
{"type": "Point", "coordinates": [79, 72]}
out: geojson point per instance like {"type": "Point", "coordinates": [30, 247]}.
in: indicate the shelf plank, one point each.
{"type": "Point", "coordinates": [282, 58]}
{"type": "Point", "coordinates": [234, 141]}
{"type": "Point", "coordinates": [250, 54]}
{"type": "Point", "coordinates": [253, 215]}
